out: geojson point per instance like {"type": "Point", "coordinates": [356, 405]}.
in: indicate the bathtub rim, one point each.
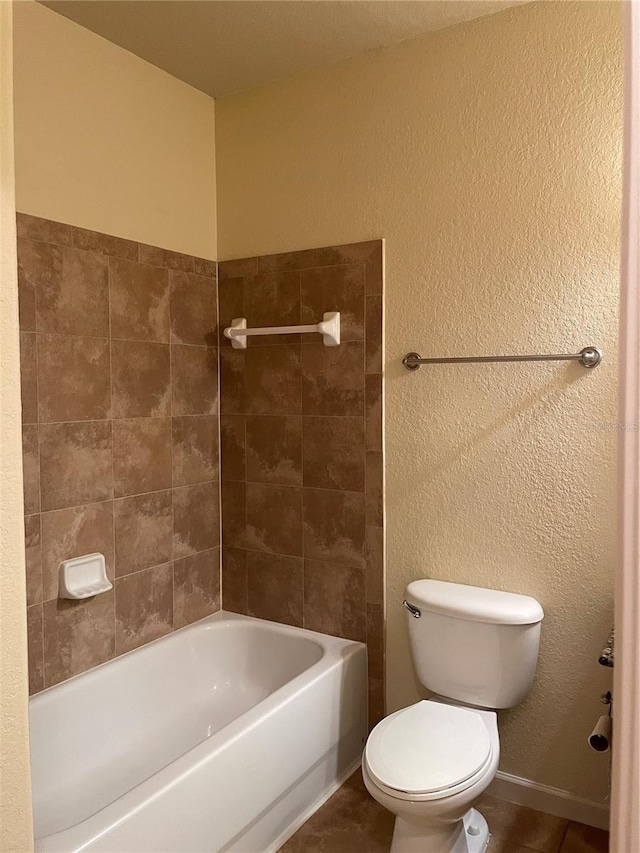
{"type": "Point", "coordinates": [192, 627]}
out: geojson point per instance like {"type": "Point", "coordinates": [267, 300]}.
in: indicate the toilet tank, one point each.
{"type": "Point", "coordinates": [474, 645]}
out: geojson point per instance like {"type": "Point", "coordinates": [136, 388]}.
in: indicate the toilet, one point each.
{"type": "Point", "coordinates": [476, 649]}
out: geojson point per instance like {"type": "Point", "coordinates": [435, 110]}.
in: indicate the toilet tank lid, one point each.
{"type": "Point", "coordinates": [474, 603]}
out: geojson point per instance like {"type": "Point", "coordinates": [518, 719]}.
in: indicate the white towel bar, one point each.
{"type": "Point", "coordinates": [329, 328]}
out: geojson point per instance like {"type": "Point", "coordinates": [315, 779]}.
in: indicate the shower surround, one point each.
{"type": "Point", "coordinates": [120, 362]}
{"type": "Point", "coordinates": [120, 412]}
{"type": "Point", "coordinates": [301, 446]}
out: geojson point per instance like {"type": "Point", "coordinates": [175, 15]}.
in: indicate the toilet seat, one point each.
{"type": "Point", "coordinates": [428, 751]}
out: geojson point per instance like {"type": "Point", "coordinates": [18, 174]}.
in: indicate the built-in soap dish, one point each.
{"type": "Point", "coordinates": [84, 577]}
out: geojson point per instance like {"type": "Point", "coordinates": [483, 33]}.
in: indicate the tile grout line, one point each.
{"type": "Point", "coordinates": [115, 255]}
{"type": "Point", "coordinates": [564, 837]}
{"type": "Point", "coordinates": [303, 548]}
{"type": "Point", "coordinates": [42, 643]}
{"type": "Point", "coordinates": [113, 477]}
{"type": "Point", "coordinates": [244, 406]}
{"type": "Point", "coordinates": [302, 443]}
{"type": "Point", "coordinates": [219, 434]}
{"type": "Point", "coordinates": [299, 557]}
{"type": "Point", "coordinates": [295, 486]}
{"type": "Point", "coordinates": [128, 340]}
{"type": "Point", "coordinates": [171, 458]}
{"type": "Point", "coordinates": [106, 420]}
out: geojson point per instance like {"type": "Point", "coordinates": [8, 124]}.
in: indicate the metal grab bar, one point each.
{"type": "Point", "coordinates": [588, 357]}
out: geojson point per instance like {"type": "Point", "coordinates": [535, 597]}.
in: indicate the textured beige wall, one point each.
{"type": "Point", "coordinates": [109, 142]}
{"type": "Point", "coordinates": [488, 156]}
{"type": "Point", "coordinates": [15, 794]}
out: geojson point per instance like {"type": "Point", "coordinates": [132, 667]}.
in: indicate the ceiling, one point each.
{"type": "Point", "coordinates": [223, 46]}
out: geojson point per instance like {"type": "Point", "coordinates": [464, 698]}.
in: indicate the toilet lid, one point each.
{"type": "Point", "coordinates": [427, 747]}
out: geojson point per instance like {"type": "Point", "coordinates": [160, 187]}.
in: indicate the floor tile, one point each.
{"type": "Point", "coordinates": [499, 845]}
{"type": "Point", "coordinates": [585, 839]}
{"type": "Point", "coordinates": [517, 825]}
{"type": "Point", "coordinates": [350, 822]}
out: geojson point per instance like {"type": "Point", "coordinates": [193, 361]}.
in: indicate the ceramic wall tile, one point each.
{"type": "Point", "coordinates": [272, 300]}
{"type": "Point", "coordinates": [28, 269]}
{"type": "Point", "coordinates": [75, 463]}
{"type": "Point", "coordinates": [374, 564]}
{"type": "Point", "coordinates": [74, 378]}
{"type": "Point", "coordinates": [194, 380]}
{"type": "Point", "coordinates": [139, 296]}
{"type": "Point", "coordinates": [234, 513]}
{"type": "Point", "coordinates": [234, 579]}
{"type": "Point", "coordinates": [70, 287]}
{"type": "Point", "coordinates": [115, 247]}
{"type": "Point", "coordinates": [236, 269]}
{"type": "Point", "coordinates": [376, 701]}
{"type": "Point", "coordinates": [230, 305]}
{"type": "Point", "coordinates": [196, 587]}
{"type": "Point", "coordinates": [334, 525]}
{"type": "Point", "coordinates": [272, 380]}
{"type": "Point", "coordinates": [78, 635]}
{"type": "Point", "coordinates": [33, 558]}
{"type": "Point", "coordinates": [373, 271]}
{"type": "Point", "coordinates": [334, 600]}
{"type": "Point", "coordinates": [35, 648]}
{"type": "Point", "coordinates": [373, 411]}
{"type": "Point", "coordinates": [144, 607]}
{"type": "Point", "coordinates": [194, 317]}
{"type": "Point", "coordinates": [196, 511]}
{"type": "Point", "coordinates": [141, 379]}
{"type": "Point", "coordinates": [45, 230]}
{"type": "Point", "coordinates": [373, 313]}
{"type": "Point", "coordinates": [74, 532]}
{"type": "Point", "coordinates": [274, 449]}
{"type": "Point", "coordinates": [301, 426]}
{"type": "Point", "coordinates": [337, 288]}
{"type": "Point", "coordinates": [143, 531]}
{"type": "Point", "coordinates": [275, 587]}
{"type": "Point", "coordinates": [31, 468]}
{"type": "Point", "coordinates": [274, 519]}
{"type": "Point", "coordinates": [375, 640]}
{"type": "Point", "coordinates": [195, 449]}
{"type": "Point", "coordinates": [232, 381]}
{"type": "Point", "coordinates": [374, 487]}
{"type": "Point", "coordinates": [333, 379]}
{"type": "Point", "coordinates": [297, 419]}
{"type": "Point", "coordinates": [233, 447]}
{"type": "Point", "coordinates": [334, 453]}
{"type": "Point", "coordinates": [28, 378]}
{"type": "Point", "coordinates": [103, 322]}
{"type": "Point", "coordinates": [142, 460]}
{"type": "Point", "coordinates": [166, 258]}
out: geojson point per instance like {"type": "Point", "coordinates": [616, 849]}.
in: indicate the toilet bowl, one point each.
{"type": "Point", "coordinates": [428, 764]}
{"type": "Point", "coordinates": [477, 650]}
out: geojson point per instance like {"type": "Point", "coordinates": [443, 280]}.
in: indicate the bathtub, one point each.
{"type": "Point", "coordinates": [223, 736]}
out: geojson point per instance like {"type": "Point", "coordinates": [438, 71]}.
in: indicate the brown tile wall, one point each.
{"type": "Point", "coordinates": [119, 357]}
{"type": "Point", "coordinates": [301, 447]}
{"type": "Point", "coordinates": [120, 410]}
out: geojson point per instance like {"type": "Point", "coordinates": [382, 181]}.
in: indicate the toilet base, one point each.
{"type": "Point", "coordinates": [470, 835]}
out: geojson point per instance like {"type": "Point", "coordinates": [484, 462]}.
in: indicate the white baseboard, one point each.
{"type": "Point", "coordinates": [553, 801]}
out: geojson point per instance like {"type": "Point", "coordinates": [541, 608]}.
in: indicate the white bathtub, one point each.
{"type": "Point", "coordinates": [225, 735]}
